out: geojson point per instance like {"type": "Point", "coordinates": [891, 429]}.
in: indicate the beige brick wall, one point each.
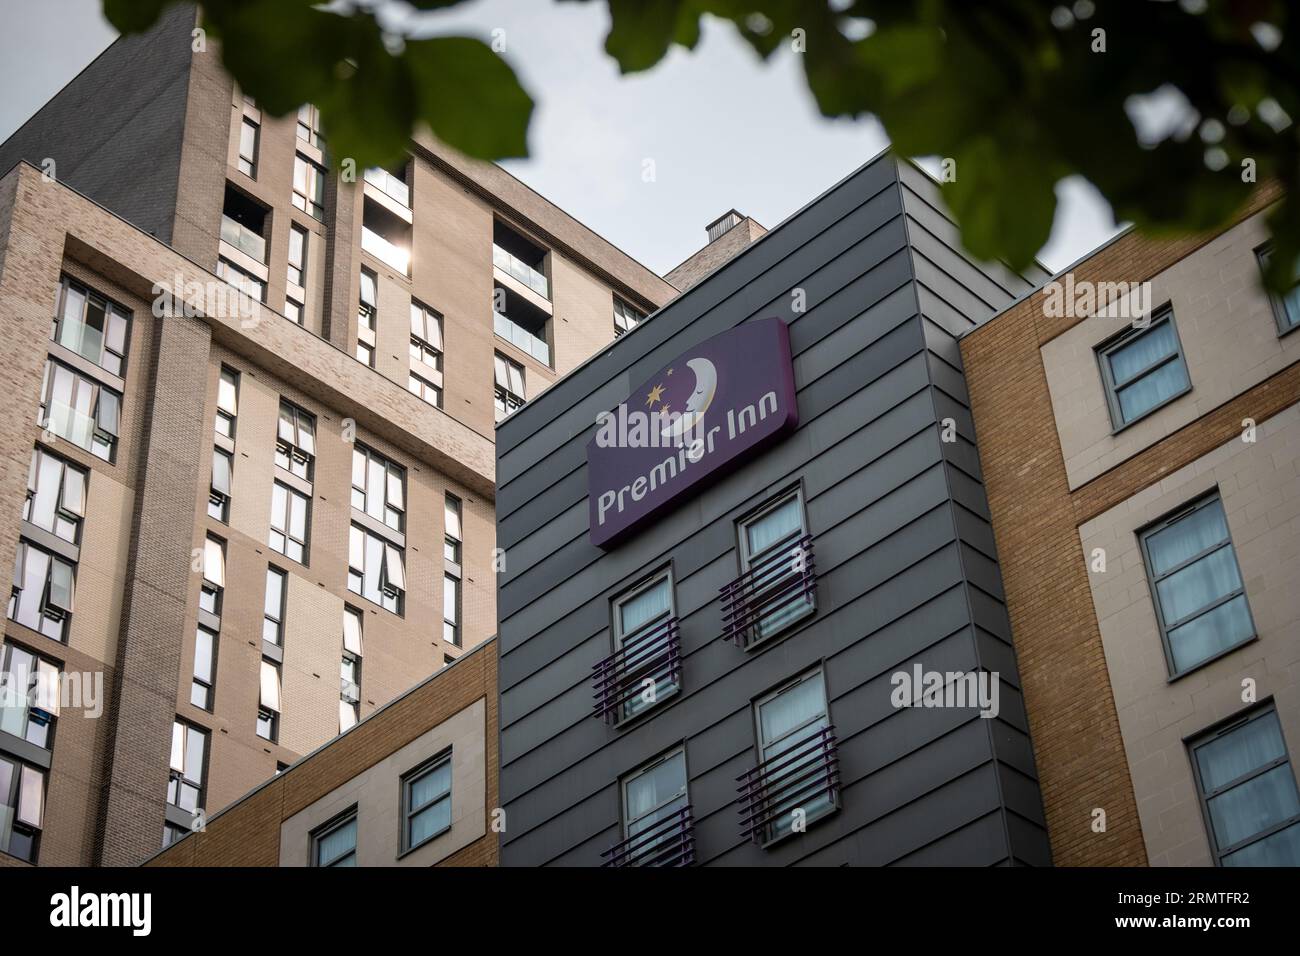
{"type": "Point", "coordinates": [377, 790]}
{"type": "Point", "coordinates": [1229, 338]}
{"type": "Point", "coordinates": [1259, 484]}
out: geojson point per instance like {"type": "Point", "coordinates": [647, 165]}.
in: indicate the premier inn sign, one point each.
{"type": "Point", "coordinates": [699, 416]}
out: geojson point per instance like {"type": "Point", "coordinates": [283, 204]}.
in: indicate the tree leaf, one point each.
{"type": "Point", "coordinates": [470, 97]}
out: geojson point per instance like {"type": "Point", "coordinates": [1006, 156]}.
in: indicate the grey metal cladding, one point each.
{"type": "Point", "coordinates": [906, 561]}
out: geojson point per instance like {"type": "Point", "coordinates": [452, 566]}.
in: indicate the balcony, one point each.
{"type": "Point", "coordinates": [777, 590]}
{"type": "Point", "coordinates": [386, 252]}
{"type": "Point", "coordinates": [394, 188]}
{"type": "Point", "coordinates": [670, 842]}
{"type": "Point", "coordinates": [517, 269]}
{"type": "Point", "coordinates": [655, 655]}
{"type": "Point", "coordinates": [243, 238]}
{"type": "Point", "coordinates": [804, 776]}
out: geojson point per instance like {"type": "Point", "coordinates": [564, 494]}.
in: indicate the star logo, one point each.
{"type": "Point", "coordinates": [654, 395]}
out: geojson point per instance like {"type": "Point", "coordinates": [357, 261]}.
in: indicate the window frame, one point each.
{"type": "Point", "coordinates": [1144, 535]}
{"type": "Point", "coordinates": [417, 773]}
{"type": "Point", "coordinates": [223, 414]}
{"type": "Point", "coordinates": [98, 414]}
{"type": "Point", "coordinates": [1277, 302]}
{"type": "Point", "coordinates": [314, 174]}
{"type": "Point", "coordinates": [44, 677]}
{"type": "Point", "coordinates": [817, 673]}
{"type": "Point", "coordinates": [384, 580]}
{"type": "Point", "coordinates": [630, 314]}
{"type": "Point", "coordinates": [301, 265]}
{"type": "Point", "coordinates": [333, 825]}
{"type": "Point", "coordinates": [46, 603]}
{"type": "Point", "coordinates": [202, 787]}
{"type": "Point", "coordinates": [13, 799]}
{"type": "Point", "coordinates": [1131, 334]}
{"type": "Point", "coordinates": [247, 122]}
{"type": "Point", "coordinates": [279, 620]}
{"type": "Point", "coordinates": [62, 510]}
{"type": "Point", "coordinates": [619, 638]}
{"type": "Point", "coordinates": [1231, 725]}
{"type": "Point", "coordinates": [747, 559]}
{"type": "Point", "coordinates": [625, 819]}
{"type": "Point", "coordinates": [294, 450]}
{"type": "Point", "coordinates": [506, 401]}
{"type": "Point", "coordinates": [390, 469]}
{"type": "Point", "coordinates": [110, 307]}
{"type": "Point", "coordinates": [209, 687]}
{"type": "Point", "coordinates": [218, 499]}
{"type": "Point", "coordinates": [291, 496]}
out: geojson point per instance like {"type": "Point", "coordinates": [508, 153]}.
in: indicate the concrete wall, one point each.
{"type": "Point", "coordinates": [1259, 485]}
{"type": "Point", "coordinates": [1229, 337]}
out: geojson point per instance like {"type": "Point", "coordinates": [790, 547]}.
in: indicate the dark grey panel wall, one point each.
{"type": "Point", "coordinates": [114, 132]}
{"type": "Point", "coordinates": [905, 557]}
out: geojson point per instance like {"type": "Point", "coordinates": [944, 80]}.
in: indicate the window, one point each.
{"type": "Point", "coordinates": [214, 575]}
{"type": "Point", "coordinates": [451, 586]}
{"type": "Point", "coordinates": [426, 354]}
{"type": "Point", "coordinates": [295, 444]}
{"type": "Point", "coordinates": [426, 802]}
{"type": "Point", "coordinates": [249, 133]}
{"type": "Point", "coordinates": [56, 496]}
{"type": "Point", "coordinates": [521, 323]}
{"type": "Point", "coordinates": [625, 317]}
{"type": "Point", "coordinates": [1196, 584]}
{"type": "Point", "coordinates": [308, 186]}
{"type": "Point", "coordinates": [219, 493]}
{"type": "Point", "coordinates": [378, 487]}
{"type": "Point", "coordinates": [451, 534]}
{"type": "Point", "coordinates": [376, 570]}
{"type": "Point", "coordinates": [651, 796]}
{"type": "Point", "coordinates": [335, 844]}
{"type": "Point", "coordinates": [350, 670]}
{"type": "Point", "coordinates": [775, 531]}
{"type": "Point", "coordinates": [42, 592]}
{"type": "Point", "coordinates": [268, 714]}
{"type": "Point", "coordinates": [188, 767]}
{"type": "Point", "coordinates": [640, 629]}
{"type": "Point", "coordinates": [1248, 793]}
{"type": "Point", "coordinates": [244, 223]}
{"type": "Point", "coordinates": [309, 128]}
{"type": "Point", "coordinates": [227, 402]}
{"type": "Point", "coordinates": [386, 236]}
{"type": "Point", "coordinates": [29, 704]}
{"type": "Point", "coordinates": [509, 385]}
{"type": "Point", "coordinates": [297, 254]}
{"type": "Point", "coordinates": [247, 283]}
{"type": "Point", "coordinates": [1143, 369]}
{"type": "Point", "coordinates": [1286, 307]}
{"type": "Point", "coordinates": [273, 607]}
{"type": "Point", "coordinates": [81, 410]}
{"type": "Point", "coordinates": [367, 315]}
{"type": "Point", "coordinates": [289, 522]}
{"type": "Point", "coordinates": [22, 808]}
{"type": "Point", "coordinates": [205, 666]}
{"type": "Point", "coordinates": [91, 326]}
{"type": "Point", "coordinates": [789, 720]}
{"type": "Point", "coordinates": [369, 301]}
{"type": "Point", "coordinates": [172, 833]}
{"type": "Point", "coordinates": [293, 311]}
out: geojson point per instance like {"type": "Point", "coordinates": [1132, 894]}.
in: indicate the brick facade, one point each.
{"type": "Point", "coordinates": [1078, 745]}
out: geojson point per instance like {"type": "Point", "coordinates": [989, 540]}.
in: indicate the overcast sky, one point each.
{"type": "Point", "coordinates": [723, 128]}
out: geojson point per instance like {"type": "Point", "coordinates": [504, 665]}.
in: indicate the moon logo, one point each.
{"type": "Point", "coordinates": [706, 385]}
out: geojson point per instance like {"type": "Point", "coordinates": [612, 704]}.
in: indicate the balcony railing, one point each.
{"type": "Point", "coordinates": [775, 591]}
{"type": "Point", "coordinates": [670, 842]}
{"type": "Point", "coordinates": [521, 338]}
{"type": "Point", "coordinates": [390, 185]}
{"type": "Point", "coordinates": [243, 239]}
{"type": "Point", "coordinates": [804, 776]}
{"type": "Point", "coordinates": [619, 680]}
{"type": "Point", "coordinates": [516, 267]}
{"type": "Point", "coordinates": [385, 251]}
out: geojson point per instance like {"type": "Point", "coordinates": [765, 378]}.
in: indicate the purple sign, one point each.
{"type": "Point", "coordinates": [705, 411]}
